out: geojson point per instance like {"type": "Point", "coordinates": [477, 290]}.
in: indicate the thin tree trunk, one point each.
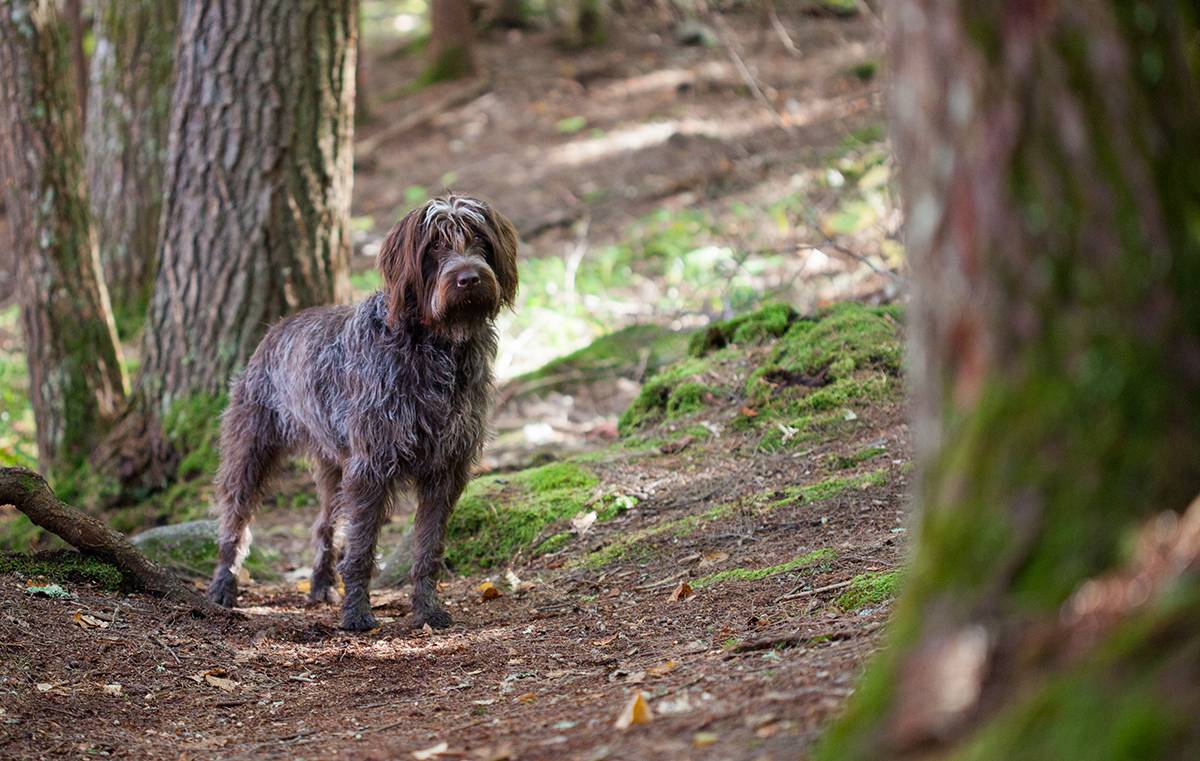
{"type": "Point", "coordinates": [1050, 155]}
{"type": "Point", "coordinates": [75, 376]}
{"type": "Point", "coordinates": [255, 221]}
{"type": "Point", "coordinates": [79, 62]}
{"type": "Point", "coordinates": [451, 41]}
{"type": "Point", "coordinates": [126, 145]}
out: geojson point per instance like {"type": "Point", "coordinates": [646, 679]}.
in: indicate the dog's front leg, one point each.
{"type": "Point", "coordinates": [365, 503]}
{"type": "Point", "coordinates": [437, 499]}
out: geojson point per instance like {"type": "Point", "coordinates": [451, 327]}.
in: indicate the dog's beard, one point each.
{"type": "Point", "coordinates": [460, 309]}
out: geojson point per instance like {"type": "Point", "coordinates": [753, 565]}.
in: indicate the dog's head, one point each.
{"type": "Point", "coordinates": [450, 264]}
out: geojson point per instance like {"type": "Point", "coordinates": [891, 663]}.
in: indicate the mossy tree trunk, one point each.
{"type": "Point", "coordinates": [1050, 157]}
{"type": "Point", "coordinates": [126, 144]}
{"type": "Point", "coordinates": [584, 22]}
{"type": "Point", "coordinates": [255, 221]}
{"type": "Point", "coordinates": [451, 41]}
{"type": "Point", "coordinates": [75, 376]}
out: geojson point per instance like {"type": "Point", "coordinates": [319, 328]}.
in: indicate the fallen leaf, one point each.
{"type": "Point", "coordinates": [582, 523]}
{"type": "Point", "coordinates": [528, 697]}
{"type": "Point", "coordinates": [662, 669]}
{"type": "Point", "coordinates": [438, 750]}
{"type": "Point", "coordinates": [487, 591]}
{"type": "Point", "coordinates": [304, 586]}
{"type": "Point", "coordinates": [713, 558]}
{"type": "Point", "coordinates": [219, 678]}
{"type": "Point", "coordinates": [112, 689]}
{"type": "Point", "coordinates": [682, 591]}
{"type": "Point", "coordinates": [749, 411]}
{"type": "Point", "coordinates": [605, 642]}
{"type": "Point", "coordinates": [636, 677]}
{"type": "Point", "coordinates": [849, 415]}
{"type": "Point", "coordinates": [44, 687]}
{"type": "Point", "coordinates": [86, 621]}
{"type": "Point", "coordinates": [636, 712]}
{"type": "Point", "coordinates": [704, 739]}
{"type": "Point", "coordinates": [427, 630]}
{"type": "Point", "coordinates": [514, 581]}
{"type": "Point", "coordinates": [788, 432]}
{"type": "Point", "coordinates": [671, 447]}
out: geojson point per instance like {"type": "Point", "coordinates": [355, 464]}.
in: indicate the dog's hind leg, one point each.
{"type": "Point", "coordinates": [324, 575]}
{"type": "Point", "coordinates": [250, 451]}
{"type": "Point", "coordinates": [363, 503]}
{"type": "Point", "coordinates": [437, 500]}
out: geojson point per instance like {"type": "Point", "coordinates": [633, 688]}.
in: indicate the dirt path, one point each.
{"type": "Point", "coordinates": [769, 533]}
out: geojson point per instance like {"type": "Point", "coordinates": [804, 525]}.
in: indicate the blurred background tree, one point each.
{"type": "Point", "coordinates": [1050, 158]}
{"type": "Point", "coordinates": [256, 198]}
{"type": "Point", "coordinates": [125, 141]}
{"type": "Point", "coordinates": [76, 381]}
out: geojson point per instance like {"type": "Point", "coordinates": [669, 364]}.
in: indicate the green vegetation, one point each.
{"type": "Point", "coordinates": [671, 393]}
{"type": "Point", "coordinates": [193, 425]}
{"type": "Point", "coordinates": [503, 514]}
{"type": "Point", "coordinates": [769, 321]}
{"type": "Point", "coordinates": [62, 566]}
{"type": "Point", "coordinates": [821, 559]}
{"type": "Point", "coordinates": [828, 488]}
{"type": "Point", "coordinates": [621, 353]}
{"type": "Point", "coordinates": [191, 548]}
{"type": "Point", "coordinates": [844, 462]}
{"type": "Point", "coordinates": [870, 589]}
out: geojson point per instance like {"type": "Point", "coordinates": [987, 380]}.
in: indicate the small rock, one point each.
{"type": "Point", "coordinates": [694, 33]}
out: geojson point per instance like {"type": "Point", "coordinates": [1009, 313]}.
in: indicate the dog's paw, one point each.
{"type": "Point", "coordinates": [358, 620]}
{"type": "Point", "coordinates": [324, 594]}
{"type": "Point", "coordinates": [224, 590]}
{"type": "Point", "coordinates": [436, 617]}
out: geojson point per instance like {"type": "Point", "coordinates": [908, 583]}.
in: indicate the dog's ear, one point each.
{"type": "Point", "coordinates": [399, 263]}
{"type": "Point", "coordinates": [504, 249]}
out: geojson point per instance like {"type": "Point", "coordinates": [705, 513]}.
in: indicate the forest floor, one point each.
{"type": "Point", "coordinates": [767, 469]}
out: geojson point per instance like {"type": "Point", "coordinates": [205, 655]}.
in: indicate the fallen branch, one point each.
{"type": "Point", "coordinates": [28, 492]}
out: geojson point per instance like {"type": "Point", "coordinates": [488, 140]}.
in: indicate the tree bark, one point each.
{"type": "Point", "coordinates": [75, 375]}
{"type": "Point", "coordinates": [79, 61]}
{"type": "Point", "coordinates": [29, 493]}
{"type": "Point", "coordinates": [1050, 157]}
{"type": "Point", "coordinates": [451, 41]}
{"type": "Point", "coordinates": [126, 143]}
{"type": "Point", "coordinates": [255, 221]}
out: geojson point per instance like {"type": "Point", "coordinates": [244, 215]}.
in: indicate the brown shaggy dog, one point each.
{"type": "Point", "coordinates": [391, 393]}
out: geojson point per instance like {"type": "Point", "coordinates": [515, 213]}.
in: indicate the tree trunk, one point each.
{"type": "Point", "coordinates": [75, 375]}
{"type": "Point", "coordinates": [255, 221]}
{"type": "Point", "coordinates": [126, 144]}
{"type": "Point", "coordinates": [451, 41]}
{"type": "Point", "coordinates": [1050, 157]}
{"type": "Point", "coordinates": [79, 62]}
{"type": "Point", "coordinates": [585, 22]}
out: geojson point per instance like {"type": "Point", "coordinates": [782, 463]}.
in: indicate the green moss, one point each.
{"type": "Point", "coordinates": [850, 354]}
{"type": "Point", "coordinates": [501, 515]}
{"type": "Point", "coordinates": [843, 462]}
{"type": "Point", "coordinates": [866, 70]}
{"type": "Point", "coordinates": [817, 558]}
{"type": "Point", "coordinates": [554, 543]}
{"type": "Point", "coordinates": [869, 589]}
{"type": "Point", "coordinates": [828, 488]}
{"type": "Point", "coordinates": [191, 548]}
{"type": "Point", "coordinates": [644, 348]}
{"type": "Point", "coordinates": [653, 402]}
{"type": "Point", "coordinates": [686, 398]}
{"type": "Point", "coordinates": [63, 566]}
{"type": "Point", "coordinates": [634, 543]}
{"type": "Point", "coordinates": [769, 321]}
{"type": "Point", "coordinates": [192, 425]}
{"type": "Point", "coordinates": [452, 63]}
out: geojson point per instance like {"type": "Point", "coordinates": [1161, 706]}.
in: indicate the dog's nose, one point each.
{"type": "Point", "coordinates": [468, 279]}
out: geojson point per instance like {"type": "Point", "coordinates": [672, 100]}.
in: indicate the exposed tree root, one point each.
{"type": "Point", "coordinates": [28, 492]}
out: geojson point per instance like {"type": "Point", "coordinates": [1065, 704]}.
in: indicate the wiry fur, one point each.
{"type": "Point", "coordinates": [391, 393]}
